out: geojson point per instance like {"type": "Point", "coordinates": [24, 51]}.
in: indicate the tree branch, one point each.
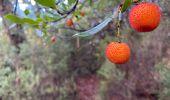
{"type": "Point", "coordinates": [16, 5]}
{"type": "Point", "coordinates": [70, 11]}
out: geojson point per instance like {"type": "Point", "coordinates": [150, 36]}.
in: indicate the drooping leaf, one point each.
{"type": "Point", "coordinates": [94, 30]}
{"type": "Point", "coordinates": [126, 4]}
{"type": "Point", "coordinates": [47, 3]}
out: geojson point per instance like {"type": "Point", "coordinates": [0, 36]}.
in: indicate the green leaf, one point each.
{"type": "Point", "coordinates": [27, 21]}
{"type": "Point", "coordinates": [70, 2]}
{"type": "Point", "coordinates": [126, 4]}
{"type": "Point", "coordinates": [64, 6]}
{"type": "Point", "coordinates": [47, 3]}
{"type": "Point", "coordinates": [90, 2]}
{"type": "Point", "coordinates": [14, 18]}
{"type": "Point", "coordinates": [26, 12]}
{"type": "Point", "coordinates": [94, 30]}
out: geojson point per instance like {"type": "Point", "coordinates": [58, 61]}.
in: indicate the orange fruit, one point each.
{"type": "Point", "coordinates": [145, 17]}
{"type": "Point", "coordinates": [53, 39]}
{"type": "Point", "coordinates": [70, 22]}
{"type": "Point", "coordinates": [82, 13]}
{"type": "Point", "coordinates": [118, 53]}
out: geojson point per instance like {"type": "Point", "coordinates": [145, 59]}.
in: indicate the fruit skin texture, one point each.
{"type": "Point", "coordinates": [118, 53]}
{"type": "Point", "coordinates": [145, 17]}
{"type": "Point", "coordinates": [70, 22]}
{"type": "Point", "coordinates": [53, 39]}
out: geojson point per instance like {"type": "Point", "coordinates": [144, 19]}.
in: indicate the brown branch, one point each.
{"type": "Point", "coordinates": [16, 5]}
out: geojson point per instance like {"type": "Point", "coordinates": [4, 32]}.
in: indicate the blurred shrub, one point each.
{"type": "Point", "coordinates": [164, 73]}
{"type": "Point", "coordinates": [21, 74]}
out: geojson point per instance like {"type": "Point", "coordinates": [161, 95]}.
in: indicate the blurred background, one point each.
{"type": "Point", "coordinates": [32, 67]}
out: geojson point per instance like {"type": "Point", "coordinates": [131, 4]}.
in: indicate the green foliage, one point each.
{"type": "Point", "coordinates": [34, 61]}
{"type": "Point", "coordinates": [102, 4]}
{"type": "Point", "coordinates": [43, 19]}
{"type": "Point", "coordinates": [126, 5]}
{"type": "Point", "coordinates": [23, 21]}
{"type": "Point", "coordinates": [7, 78]}
{"type": "Point", "coordinates": [47, 3]}
{"type": "Point", "coordinates": [109, 70]}
{"type": "Point", "coordinates": [164, 72]}
{"type": "Point", "coordinates": [70, 2]}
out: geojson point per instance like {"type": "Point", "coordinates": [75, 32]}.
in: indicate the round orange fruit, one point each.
{"type": "Point", "coordinates": [82, 13]}
{"type": "Point", "coordinates": [53, 39]}
{"type": "Point", "coordinates": [118, 53]}
{"type": "Point", "coordinates": [70, 22]}
{"type": "Point", "coordinates": [145, 17]}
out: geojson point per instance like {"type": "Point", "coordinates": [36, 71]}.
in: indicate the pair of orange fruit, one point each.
{"type": "Point", "coordinates": [70, 21]}
{"type": "Point", "coordinates": [144, 17]}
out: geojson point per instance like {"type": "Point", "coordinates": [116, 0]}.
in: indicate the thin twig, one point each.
{"type": "Point", "coordinates": [16, 5]}
{"type": "Point", "coordinates": [70, 11]}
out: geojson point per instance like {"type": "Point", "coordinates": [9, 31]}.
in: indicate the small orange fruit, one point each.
{"type": "Point", "coordinates": [70, 22]}
{"type": "Point", "coordinates": [145, 17]}
{"type": "Point", "coordinates": [118, 53]}
{"type": "Point", "coordinates": [82, 13]}
{"type": "Point", "coordinates": [53, 39]}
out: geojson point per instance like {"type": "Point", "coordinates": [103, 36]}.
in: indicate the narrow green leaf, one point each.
{"type": "Point", "coordinates": [14, 18]}
{"type": "Point", "coordinates": [94, 30]}
{"type": "Point", "coordinates": [47, 3]}
{"type": "Point", "coordinates": [23, 21]}
{"type": "Point", "coordinates": [29, 21]}
{"type": "Point", "coordinates": [126, 4]}
{"type": "Point", "coordinates": [90, 2]}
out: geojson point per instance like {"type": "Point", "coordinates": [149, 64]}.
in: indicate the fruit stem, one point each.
{"type": "Point", "coordinates": [78, 43]}
{"type": "Point", "coordinates": [118, 24]}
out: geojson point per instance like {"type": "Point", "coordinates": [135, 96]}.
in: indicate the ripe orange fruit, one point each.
{"type": "Point", "coordinates": [53, 39]}
{"type": "Point", "coordinates": [145, 17]}
{"type": "Point", "coordinates": [70, 22]}
{"type": "Point", "coordinates": [118, 53]}
{"type": "Point", "coordinates": [82, 13]}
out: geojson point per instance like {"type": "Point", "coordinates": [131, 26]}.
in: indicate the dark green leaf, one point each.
{"type": "Point", "coordinates": [47, 3]}
{"type": "Point", "coordinates": [126, 4]}
{"type": "Point", "coordinates": [94, 30]}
